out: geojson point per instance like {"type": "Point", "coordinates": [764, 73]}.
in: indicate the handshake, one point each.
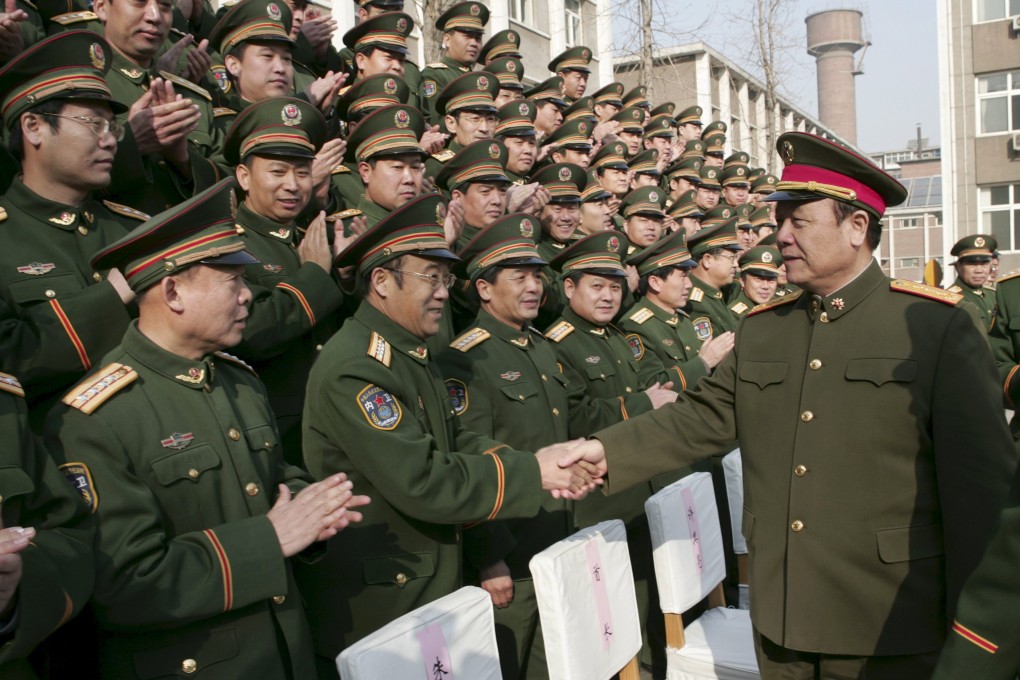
{"type": "Point", "coordinates": [572, 469]}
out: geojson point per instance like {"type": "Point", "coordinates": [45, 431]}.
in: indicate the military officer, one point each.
{"type": "Point", "coordinates": [426, 474]}
{"type": "Point", "coordinates": [59, 118]}
{"type": "Point", "coordinates": [1005, 341]}
{"type": "Point", "coordinates": [658, 134]}
{"type": "Point", "coordinates": [688, 124]}
{"type": "Point", "coordinates": [632, 128]}
{"type": "Point", "coordinates": [761, 187]}
{"type": "Point", "coordinates": [505, 43]}
{"type": "Point", "coordinates": [709, 187]}
{"type": "Point", "coordinates": [681, 176]}
{"type": "Point", "coordinates": [46, 561]}
{"type": "Point", "coordinates": [759, 275]}
{"type": "Point", "coordinates": [508, 71]}
{"type": "Point", "coordinates": [379, 45]}
{"type": "Point", "coordinates": [735, 185]}
{"type": "Point", "coordinates": [853, 342]}
{"type": "Point", "coordinates": [747, 235]}
{"type": "Point", "coordinates": [715, 249]}
{"type": "Point", "coordinates": [583, 108]}
{"type": "Point", "coordinates": [612, 172]}
{"type": "Point", "coordinates": [638, 97]}
{"type": "Point", "coordinates": [571, 143]}
{"type": "Point", "coordinates": [685, 213]}
{"type": "Point", "coordinates": [573, 65]}
{"type": "Point", "coordinates": [561, 216]}
{"type": "Point", "coordinates": [595, 213]}
{"type": "Point", "coordinates": [516, 129]}
{"type": "Point", "coordinates": [644, 170]}
{"type": "Point", "coordinates": [643, 216]}
{"type": "Point", "coordinates": [462, 26]}
{"type": "Point", "coordinates": [173, 448]}
{"type": "Point", "coordinates": [762, 223]}
{"type": "Point", "coordinates": [973, 265]}
{"type": "Point", "coordinates": [608, 100]}
{"type": "Point", "coordinates": [549, 105]}
{"type": "Point", "coordinates": [468, 109]}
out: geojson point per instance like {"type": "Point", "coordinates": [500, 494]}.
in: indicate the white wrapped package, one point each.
{"type": "Point", "coordinates": [720, 645]}
{"type": "Point", "coordinates": [734, 474]}
{"type": "Point", "coordinates": [586, 602]}
{"type": "Point", "coordinates": [453, 638]}
{"type": "Point", "coordinates": [687, 546]}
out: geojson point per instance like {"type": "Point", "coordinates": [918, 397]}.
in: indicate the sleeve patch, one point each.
{"type": "Point", "coordinates": [381, 409]}
{"type": "Point", "coordinates": [430, 88]}
{"type": "Point", "coordinates": [81, 479]}
{"type": "Point", "coordinates": [636, 346]}
{"type": "Point", "coordinates": [703, 327]}
{"type": "Point", "coordinates": [458, 396]}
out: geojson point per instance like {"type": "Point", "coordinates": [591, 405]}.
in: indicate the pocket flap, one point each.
{"type": "Point", "coordinates": [188, 464]}
{"type": "Point", "coordinates": [763, 373]}
{"type": "Point", "coordinates": [14, 482]}
{"type": "Point", "coordinates": [398, 569]}
{"type": "Point", "coordinates": [600, 372]}
{"type": "Point", "coordinates": [881, 371]}
{"type": "Point", "coordinates": [910, 543]}
{"type": "Point", "coordinates": [191, 658]}
{"type": "Point", "coordinates": [40, 289]}
{"type": "Point", "coordinates": [261, 437]}
{"type": "Point", "coordinates": [520, 391]}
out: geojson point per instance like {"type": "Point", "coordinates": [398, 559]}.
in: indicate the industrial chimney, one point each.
{"type": "Point", "coordinates": [833, 37]}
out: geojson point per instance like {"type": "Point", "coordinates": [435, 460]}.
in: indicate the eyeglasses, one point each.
{"type": "Point", "coordinates": [727, 254]}
{"type": "Point", "coordinates": [99, 126]}
{"type": "Point", "coordinates": [435, 280]}
{"type": "Point", "coordinates": [475, 119]}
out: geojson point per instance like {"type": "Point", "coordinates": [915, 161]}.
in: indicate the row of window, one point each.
{"type": "Point", "coordinates": [990, 10]}
{"type": "Point", "coordinates": [999, 102]}
{"type": "Point", "coordinates": [999, 208]}
{"type": "Point", "coordinates": [522, 12]}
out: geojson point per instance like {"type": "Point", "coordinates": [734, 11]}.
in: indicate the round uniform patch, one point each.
{"type": "Point", "coordinates": [703, 327]}
{"type": "Point", "coordinates": [511, 67]}
{"type": "Point", "coordinates": [401, 24]}
{"type": "Point", "coordinates": [458, 396]}
{"type": "Point", "coordinates": [525, 109]}
{"type": "Point", "coordinates": [613, 244]}
{"type": "Point", "coordinates": [564, 174]}
{"type": "Point", "coordinates": [786, 151]}
{"type": "Point", "coordinates": [381, 409]}
{"type": "Point", "coordinates": [475, 11]}
{"type": "Point", "coordinates": [440, 213]}
{"type": "Point", "coordinates": [582, 127]}
{"type": "Point", "coordinates": [493, 151]}
{"type": "Point", "coordinates": [636, 346]}
{"type": "Point", "coordinates": [430, 88]}
{"type": "Point", "coordinates": [81, 479]}
{"type": "Point", "coordinates": [527, 228]}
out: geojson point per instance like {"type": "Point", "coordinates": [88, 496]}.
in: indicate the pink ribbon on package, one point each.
{"type": "Point", "coordinates": [598, 584]}
{"type": "Point", "coordinates": [692, 526]}
{"type": "Point", "coordinates": [435, 653]}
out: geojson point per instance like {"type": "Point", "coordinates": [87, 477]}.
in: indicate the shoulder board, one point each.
{"type": "Point", "coordinates": [641, 315]}
{"type": "Point", "coordinates": [340, 169]}
{"type": "Point", "coordinates": [1012, 275]}
{"type": "Point", "coordinates": [126, 211]}
{"type": "Point", "coordinates": [989, 286]}
{"type": "Point", "coordinates": [955, 289]}
{"type": "Point", "coordinates": [177, 80]}
{"type": "Point", "coordinates": [775, 303]}
{"type": "Point", "coordinates": [220, 111]}
{"type": "Point", "coordinates": [90, 394]}
{"type": "Point", "coordinates": [236, 361]}
{"type": "Point", "coordinates": [3, 214]}
{"type": "Point", "coordinates": [74, 17]}
{"type": "Point", "coordinates": [738, 307]}
{"type": "Point", "coordinates": [697, 295]}
{"type": "Point", "coordinates": [471, 338]}
{"type": "Point", "coordinates": [560, 331]}
{"type": "Point", "coordinates": [921, 290]}
{"type": "Point", "coordinates": [8, 383]}
{"type": "Point", "coordinates": [444, 155]}
{"type": "Point", "coordinates": [438, 64]}
{"type": "Point", "coordinates": [229, 3]}
{"type": "Point", "coordinates": [379, 349]}
{"type": "Point", "coordinates": [344, 214]}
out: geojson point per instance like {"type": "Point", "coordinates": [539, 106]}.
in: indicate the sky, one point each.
{"type": "Point", "coordinates": [899, 86]}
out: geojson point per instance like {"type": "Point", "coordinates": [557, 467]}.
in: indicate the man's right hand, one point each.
{"type": "Point", "coordinates": [314, 247]}
{"type": "Point", "coordinates": [11, 40]}
{"type": "Point", "coordinates": [12, 542]}
{"type": "Point", "coordinates": [161, 120]}
{"type": "Point", "coordinates": [318, 512]}
{"type": "Point", "coordinates": [660, 395]}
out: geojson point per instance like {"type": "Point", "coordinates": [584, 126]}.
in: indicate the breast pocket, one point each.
{"type": "Point", "coordinates": [520, 392]}
{"type": "Point", "coordinates": [185, 466]}
{"type": "Point", "coordinates": [763, 373]}
{"type": "Point", "coordinates": [603, 372]}
{"type": "Point", "coordinates": [881, 371]}
{"type": "Point", "coordinates": [28, 292]}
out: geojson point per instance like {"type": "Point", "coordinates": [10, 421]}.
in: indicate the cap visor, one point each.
{"type": "Point", "coordinates": [792, 196]}
{"type": "Point", "coordinates": [240, 257]}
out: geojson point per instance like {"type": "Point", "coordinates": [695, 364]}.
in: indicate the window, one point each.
{"type": "Point", "coordinates": [907, 223]}
{"type": "Point", "coordinates": [520, 10]}
{"type": "Point", "coordinates": [1000, 214]}
{"type": "Point", "coordinates": [989, 10]}
{"type": "Point", "coordinates": [999, 102]}
{"type": "Point", "coordinates": [575, 36]}
{"type": "Point", "coordinates": [910, 262]}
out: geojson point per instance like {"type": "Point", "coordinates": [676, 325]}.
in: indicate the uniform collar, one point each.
{"type": "Point", "coordinates": [454, 64]}
{"type": "Point", "coordinates": [963, 286]}
{"type": "Point", "coordinates": [372, 211]}
{"type": "Point", "coordinates": [660, 313]}
{"type": "Point", "coordinates": [832, 307]}
{"type": "Point", "coordinates": [395, 334]}
{"type": "Point", "coordinates": [515, 336]}
{"type": "Point", "coordinates": [709, 290]}
{"type": "Point", "coordinates": [195, 374]}
{"type": "Point", "coordinates": [127, 68]}
{"type": "Point", "coordinates": [584, 324]}
{"type": "Point", "coordinates": [249, 219]}
{"type": "Point", "coordinates": [59, 215]}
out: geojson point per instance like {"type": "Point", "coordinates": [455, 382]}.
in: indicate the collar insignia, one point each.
{"type": "Point", "coordinates": [194, 376]}
{"type": "Point", "coordinates": [281, 233]}
{"type": "Point", "coordinates": [64, 219]}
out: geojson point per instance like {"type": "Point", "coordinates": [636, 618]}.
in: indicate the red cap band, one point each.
{"type": "Point", "coordinates": [811, 173]}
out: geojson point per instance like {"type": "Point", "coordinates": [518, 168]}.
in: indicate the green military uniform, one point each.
{"type": "Point", "coordinates": [564, 182]}
{"type": "Point", "coordinates": [1005, 340]}
{"type": "Point", "coordinates": [57, 566]}
{"type": "Point", "coordinates": [976, 248]}
{"type": "Point", "coordinates": [707, 304]}
{"type": "Point", "coordinates": [467, 17]}
{"type": "Point", "coordinates": [572, 59]}
{"type": "Point", "coordinates": [179, 461]}
{"type": "Point", "coordinates": [735, 176]}
{"type": "Point", "coordinates": [582, 108]}
{"type": "Point", "coordinates": [823, 391]}
{"type": "Point", "coordinates": [761, 261]}
{"type": "Point", "coordinates": [65, 315]}
{"type": "Point", "coordinates": [474, 92]}
{"type": "Point", "coordinates": [378, 410]}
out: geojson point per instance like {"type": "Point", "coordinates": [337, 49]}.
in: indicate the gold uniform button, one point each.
{"type": "Point", "coordinates": [97, 277]}
{"type": "Point", "coordinates": [800, 470]}
{"type": "Point", "coordinates": [401, 579]}
{"type": "Point", "coordinates": [521, 397]}
{"type": "Point", "coordinates": [51, 293]}
{"type": "Point", "coordinates": [252, 489]}
{"type": "Point", "coordinates": [815, 364]}
{"type": "Point", "coordinates": [280, 599]}
{"type": "Point", "coordinates": [545, 378]}
{"type": "Point", "coordinates": [1, 499]}
{"type": "Point", "coordinates": [318, 348]}
{"type": "Point", "coordinates": [83, 230]}
{"type": "Point", "coordinates": [628, 390]}
{"type": "Point", "coordinates": [807, 416]}
{"type": "Point", "coordinates": [823, 317]}
{"type": "Point", "coordinates": [189, 665]}
{"type": "Point", "coordinates": [797, 525]}
{"type": "Point", "coordinates": [234, 433]}
{"type": "Point", "coordinates": [556, 411]}
{"type": "Point", "coordinates": [193, 473]}
{"type": "Point", "coordinates": [602, 375]}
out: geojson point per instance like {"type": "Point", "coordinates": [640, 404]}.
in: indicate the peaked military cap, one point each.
{"type": "Point", "coordinates": [199, 230]}
{"type": "Point", "coordinates": [593, 190]}
{"type": "Point", "coordinates": [68, 66]}
{"type": "Point", "coordinates": [659, 126]}
{"type": "Point", "coordinates": [646, 163]}
{"type": "Point", "coordinates": [638, 96]}
{"type": "Point", "coordinates": [631, 119]}
{"type": "Point", "coordinates": [670, 251]}
{"type": "Point", "coordinates": [686, 205]}
{"type": "Point", "coordinates": [371, 93]}
{"type": "Point", "coordinates": [715, 144]}
{"type": "Point", "coordinates": [549, 90]}
{"type": "Point", "coordinates": [583, 108]}
{"type": "Point", "coordinates": [762, 217]}
{"type": "Point", "coordinates": [481, 161]}
{"type": "Point", "coordinates": [389, 131]}
{"type": "Point", "coordinates": [688, 168]}
{"type": "Point", "coordinates": [509, 71]}
{"type": "Point", "coordinates": [718, 214]}
{"type": "Point", "coordinates": [666, 109]}
{"type": "Point", "coordinates": [710, 177]}
{"type": "Point", "coordinates": [743, 215]}
{"type": "Point", "coordinates": [734, 176]}
{"type": "Point", "coordinates": [765, 184]}
{"type": "Point", "coordinates": [975, 248]}
{"type": "Point", "coordinates": [573, 59]}
{"type": "Point", "coordinates": [716, 126]}
{"type": "Point", "coordinates": [279, 126]}
{"type": "Point", "coordinates": [761, 261]}
{"type": "Point", "coordinates": [737, 158]}
{"type": "Point", "coordinates": [694, 148]}
{"type": "Point", "coordinates": [599, 254]}
{"type": "Point", "coordinates": [722, 235]}
{"type": "Point", "coordinates": [769, 240]}
{"type": "Point", "coordinates": [643, 201]}
{"type": "Point", "coordinates": [510, 240]}
{"type": "Point", "coordinates": [610, 94]}
{"type": "Point", "coordinates": [690, 115]}
{"type": "Point", "coordinates": [563, 181]}
{"type": "Point", "coordinates": [268, 20]}
{"type": "Point", "coordinates": [469, 17]}
{"type": "Point", "coordinates": [415, 228]}
{"type": "Point", "coordinates": [505, 43]}
{"type": "Point", "coordinates": [475, 91]}
{"type": "Point", "coordinates": [516, 119]}
{"type": "Point", "coordinates": [817, 168]}
{"type": "Point", "coordinates": [611, 155]}
{"type": "Point", "coordinates": [397, 5]}
{"type": "Point", "coordinates": [575, 134]}
{"type": "Point", "coordinates": [754, 173]}
{"type": "Point", "coordinates": [387, 31]}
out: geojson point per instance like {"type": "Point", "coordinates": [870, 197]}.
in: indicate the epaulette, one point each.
{"type": "Point", "coordinates": [438, 64]}
{"type": "Point", "coordinates": [89, 394]}
{"type": "Point", "coordinates": [738, 307]}
{"type": "Point", "coordinates": [69, 18]}
{"type": "Point", "coordinates": [343, 214]}
{"type": "Point", "coordinates": [126, 211]}
{"type": "Point", "coordinates": [641, 315]}
{"type": "Point", "coordinates": [220, 111]}
{"type": "Point", "coordinates": [954, 289]}
{"type": "Point", "coordinates": [560, 331]}
{"type": "Point", "coordinates": [339, 169]}
{"type": "Point", "coordinates": [236, 361]}
{"type": "Point", "coordinates": [989, 286]}
{"type": "Point", "coordinates": [925, 291]}
{"type": "Point", "coordinates": [3, 214]}
{"type": "Point", "coordinates": [471, 338]}
{"type": "Point", "coordinates": [444, 155]}
{"type": "Point", "coordinates": [187, 84]}
{"type": "Point", "coordinates": [1012, 275]}
{"type": "Point", "coordinates": [379, 349]}
{"type": "Point", "coordinates": [697, 295]}
{"type": "Point", "coordinates": [772, 304]}
{"type": "Point", "coordinates": [8, 383]}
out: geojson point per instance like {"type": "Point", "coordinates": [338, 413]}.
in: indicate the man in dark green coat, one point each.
{"type": "Point", "coordinates": [759, 276]}
{"type": "Point", "coordinates": [715, 249]}
{"type": "Point", "coordinates": [973, 274]}
{"type": "Point", "coordinates": [1005, 340]}
{"type": "Point", "coordinates": [875, 454]}
{"type": "Point", "coordinates": [462, 26]}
